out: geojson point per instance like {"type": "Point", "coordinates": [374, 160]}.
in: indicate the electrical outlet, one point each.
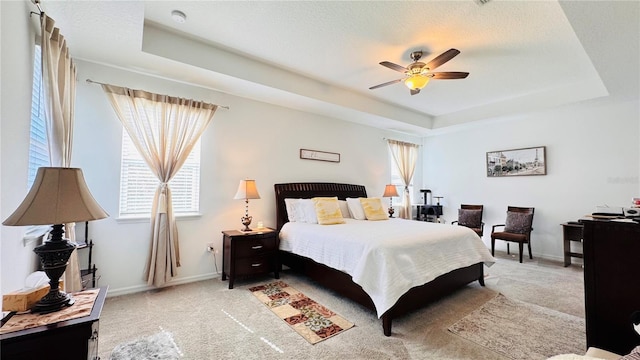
{"type": "Point", "coordinates": [211, 248]}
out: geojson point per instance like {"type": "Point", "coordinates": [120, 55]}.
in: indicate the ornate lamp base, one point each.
{"type": "Point", "coordinates": [54, 255]}
{"type": "Point", "coordinates": [246, 221]}
{"type": "Point", "coordinates": [391, 211]}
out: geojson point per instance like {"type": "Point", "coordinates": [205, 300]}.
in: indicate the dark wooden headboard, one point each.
{"type": "Point", "coordinates": [307, 190]}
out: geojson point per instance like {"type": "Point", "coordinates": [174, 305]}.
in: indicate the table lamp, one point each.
{"type": "Point", "coordinates": [58, 196]}
{"type": "Point", "coordinates": [247, 190]}
{"type": "Point", "coordinates": [390, 191]}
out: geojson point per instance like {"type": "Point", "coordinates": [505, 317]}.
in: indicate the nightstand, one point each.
{"type": "Point", "coordinates": [249, 253]}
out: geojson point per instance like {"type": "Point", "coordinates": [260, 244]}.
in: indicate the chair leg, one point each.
{"type": "Point", "coordinates": [508, 253]}
{"type": "Point", "coordinates": [493, 245]}
{"type": "Point", "coordinates": [520, 247]}
{"type": "Point", "coordinates": [529, 245]}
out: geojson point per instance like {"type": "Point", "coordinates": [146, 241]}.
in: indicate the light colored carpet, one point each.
{"type": "Point", "coordinates": [520, 330]}
{"type": "Point", "coordinates": [159, 346]}
{"type": "Point", "coordinates": [209, 321]}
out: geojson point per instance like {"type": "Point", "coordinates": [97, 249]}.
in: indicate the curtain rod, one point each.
{"type": "Point", "coordinates": [89, 81]}
{"type": "Point", "coordinates": [406, 142]}
{"type": "Point", "coordinates": [37, 4]}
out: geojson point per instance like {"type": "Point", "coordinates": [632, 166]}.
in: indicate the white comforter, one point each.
{"type": "Point", "coordinates": [387, 258]}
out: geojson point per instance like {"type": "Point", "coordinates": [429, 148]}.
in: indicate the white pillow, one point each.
{"type": "Point", "coordinates": [355, 208]}
{"type": "Point", "coordinates": [307, 209]}
{"type": "Point", "coordinates": [344, 209]}
{"type": "Point", "coordinates": [298, 209]}
{"type": "Point", "coordinates": [291, 205]}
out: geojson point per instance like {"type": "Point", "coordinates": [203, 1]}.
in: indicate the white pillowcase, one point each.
{"type": "Point", "coordinates": [306, 211]}
{"type": "Point", "coordinates": [291, 205]}
{"type": "Point", "coordinates": [303, 210]}
{"type": "Point", "coordinates": [344, 209]}
{"type": "Point", "coordinates": [355, 208]}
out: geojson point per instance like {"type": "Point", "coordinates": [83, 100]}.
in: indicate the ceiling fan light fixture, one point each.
{"type": "Point", "coordinates": [416, 81]}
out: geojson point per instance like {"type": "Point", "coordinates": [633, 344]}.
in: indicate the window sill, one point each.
{"type": "Point", "coordinates": [146, 219]}
{"type": "Point", "coordinates": [35, 233]}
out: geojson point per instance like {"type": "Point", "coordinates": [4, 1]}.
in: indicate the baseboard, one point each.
{"type": "Point", "coordinates": [142, 288]}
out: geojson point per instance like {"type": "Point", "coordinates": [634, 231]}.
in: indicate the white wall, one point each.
{"type": "Point", "coordinates": [17, 259]}
{"type": "Point", "coordinates": [592, 159]}
{"type": "Point", "coordinates": [250, 140]}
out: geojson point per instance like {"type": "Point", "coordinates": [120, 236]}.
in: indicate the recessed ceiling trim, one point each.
{"type": "Point", "coordinates": [171, 45]}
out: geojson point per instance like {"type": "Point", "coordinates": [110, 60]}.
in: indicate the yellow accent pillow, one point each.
{"type": "Point", "coordinates": [328, 210]}
{"type": "Point", "coordinates": [373, 209]}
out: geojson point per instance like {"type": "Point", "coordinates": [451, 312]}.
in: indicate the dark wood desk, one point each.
{"type": "Point", "coordinates": [73, 339]}
{"type": "Point", "coordinates": [571, 231]}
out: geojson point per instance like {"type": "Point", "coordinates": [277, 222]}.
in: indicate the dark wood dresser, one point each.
{"type": "Point", "coordinates": [611, 283]}
{"type": "Point", "coordinates": [75, 339]}
{"type": "Point", "coordinates": [249, 253]}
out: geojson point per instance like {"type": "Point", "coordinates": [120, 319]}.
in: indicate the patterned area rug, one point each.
{"type": "Point", "coordinates": [520, 330]}
{"type": "Point", "coordinates": [308, 318]}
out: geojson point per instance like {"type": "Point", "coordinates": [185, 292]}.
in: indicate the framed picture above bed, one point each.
{"type": "Point", "coordinates": [319, 155]}
{"type": "Point", "coordinates": [517, 162]}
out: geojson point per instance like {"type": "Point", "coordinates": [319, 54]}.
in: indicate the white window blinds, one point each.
{"type": "Point", "coordinates": [138, 184]}
{"type": "Point", "coordinates": [38, 147]}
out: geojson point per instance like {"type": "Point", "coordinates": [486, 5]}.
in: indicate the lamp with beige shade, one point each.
{"type": "Point", "coordinates": [390, 191]}
{"type": "Point", "coordinates": [247, 189]}
{"type": "Point", "coordinates": [58, 196]}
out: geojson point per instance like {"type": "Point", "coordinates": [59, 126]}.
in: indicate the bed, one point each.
{"type": "Point", "coordinates": [344, 283]}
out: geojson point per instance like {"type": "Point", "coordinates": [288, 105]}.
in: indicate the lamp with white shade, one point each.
{"type": "Point", "coordinates": [247, 189]}
{"type": "Point", "coordinates": [390, 191]}
{"type": "Point", "coordinates": [58, 196]}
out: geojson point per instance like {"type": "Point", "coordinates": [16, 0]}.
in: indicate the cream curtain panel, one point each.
{"type": "Point", "coordinates": [405, 156]}
{"type": "Point", "coordinates": [59, 80]}
{"type": "Point", "coordinates": [164, 130]}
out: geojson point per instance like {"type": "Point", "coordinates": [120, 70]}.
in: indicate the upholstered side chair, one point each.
{"type": "Point", "coordinates": [517, 228]}
{"type": "Point", "coordinates": [471, 217]}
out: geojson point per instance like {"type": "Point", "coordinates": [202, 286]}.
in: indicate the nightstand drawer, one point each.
{"type": "Point", "coordinates": [254, 265]}
{"type": "Point", "coordinates": [254, 246]}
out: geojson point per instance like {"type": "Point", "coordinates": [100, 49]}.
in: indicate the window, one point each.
{"type": "Point", "coordinates": [396, 179]}
{"type": "Point", "coordinates": [38, 146]}
{"type": "Point", "coordinates": [138, 184]}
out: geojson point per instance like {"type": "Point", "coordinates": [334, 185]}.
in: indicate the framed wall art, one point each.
{"type": "Point", "coordinates": [517, 162]}
{"type": "Point", "coordinates": [319, 155]}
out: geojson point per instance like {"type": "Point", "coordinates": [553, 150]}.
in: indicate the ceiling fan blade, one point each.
{"type": "Point", "coordinates": [449, 75]}
{"type": "Point", "coordinates": [385, 84]}
{"type": "Point", "coordinates": [414, 91]}
{"type": "Point", "coordinates": [442, 58]}
{"type": "Point", "coordinates": [393, 66]}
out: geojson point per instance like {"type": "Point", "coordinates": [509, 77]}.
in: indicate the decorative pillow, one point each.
{"type": "Point", "coordinates": [373, 209]}
{"type": "Point", "coordinates": [328, 211]}
{"type": "Point", "coordinates": [518, 222]}
{"type": "Point", "coordinates": [470, 218]}
{"type": "Point", "coordinates": [290, 204]}
{"type": "Point", "coordinates": [344, 209]}
{"type": "Point", "coordinates": [355, 208]}
{"type": "Point", "coordinates": [306, 211]}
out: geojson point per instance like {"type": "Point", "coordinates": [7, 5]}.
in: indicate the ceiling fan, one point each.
{"type": "Point", "coordinates": [418, 74]}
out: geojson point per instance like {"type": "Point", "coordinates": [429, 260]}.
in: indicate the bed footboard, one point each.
{"type": "Point", "coordinates": [414, 299]}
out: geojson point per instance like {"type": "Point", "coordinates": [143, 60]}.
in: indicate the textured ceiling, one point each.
{"type": "Point", "coordinates": [322, 56]}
